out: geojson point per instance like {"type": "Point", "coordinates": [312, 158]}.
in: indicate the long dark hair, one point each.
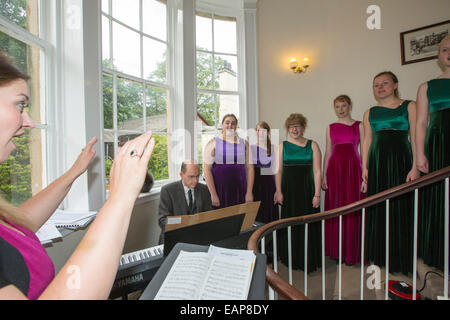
{"type": "Point", "coordinates": [266, 126]}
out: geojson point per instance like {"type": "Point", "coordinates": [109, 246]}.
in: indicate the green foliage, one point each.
{"type": "Point", "coordinates": [15, 174]}
{"type": "Point", "coordinates": [108, 165]}
{"type": "Point", "coordinates": [15, 11]}
{"type": "Point", "coordinates": [159, 164]}
{"type": "Point", "coordinates": [206, 105]}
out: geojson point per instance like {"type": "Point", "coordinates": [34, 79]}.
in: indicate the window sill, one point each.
{"type": "Point", "coordinates": [148, 196]}
{"type": "Point", "coordinates": [145, 197]}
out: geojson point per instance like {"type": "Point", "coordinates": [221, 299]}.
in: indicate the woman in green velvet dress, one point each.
{"type": "Point", "coordinates": [298, 181]}
{"type": "Point", "coordinates": [433, 153]}
{"type": "Point", "coordinates": [388, 161]}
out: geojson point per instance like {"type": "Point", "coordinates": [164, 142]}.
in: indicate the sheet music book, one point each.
{"type": "Point", "coordinates": [47, 233]}
{"type": "Point", "coordinates": [71, 219]}
{"type": "Point", "coordinates": [219, 274]}
{"type": "Point", "coordinates": [63, 219]}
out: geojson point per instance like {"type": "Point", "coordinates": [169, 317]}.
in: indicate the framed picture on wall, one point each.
{"type": "Point", "coordinates": [423, 43]}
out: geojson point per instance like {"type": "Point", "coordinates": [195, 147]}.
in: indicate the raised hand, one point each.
{"type": "Point", "coordinates": [129, 167]}
{"type": "Point", "coordinates": [84, 158]}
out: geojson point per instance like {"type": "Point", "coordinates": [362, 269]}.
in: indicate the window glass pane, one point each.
{"type": "Point", "coordinates": [156, 109]}
{"type": "Point", "coordinates": [108, 138]}
{"type": "Point", "coordinates": [228, 103]}
{"type": "Point", "coordinates": [107, 101]}
{"type": "Point", "coordinates": [106, 53]}
{"type": "Point", "coordinates": [225, 35]}
{"type": "Point", "coordinates": [226, 72]}
{"type": "Point", "coordinates": [21, 175]}
{"type": "Point", "coordinates": [204, 71]}
{"type": "Point", "coordinates": [105, 6]}
{"type": "Point", "coordinates": [207, 109]}
{"type": "Point", "coordinates": [154, 60]}
{"type": "Point", "coordinates": [15, 174]}
{"type": "Point", "coordinates": [127, 12]}
{"type": "Point", "coordinates": [129, 105]}
{"type": "Point", "coordinates": [24, 13]}
{"type": "Point", "coordinates": [126, 50]}
{"type": "Point", "coordinates": [133, 95]}
{"type": "Point", "coordinates": [16, 50]}
{"type": "Point", "coordinates": [203, 31]}
{"type": "Point", "coordinates": [159, 161]}
{"type": "Point", "coordinates": [28, 60]}
{"type": "Point", "coordinates": [154, 18]}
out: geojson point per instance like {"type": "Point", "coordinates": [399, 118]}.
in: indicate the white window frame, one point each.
{"type": "Point", "coordinates": [49, 165]}
{"type": "Point", "coordinates": [144, 82]}
{"type": "Point", "coordinates": [240, 89]}
{"type": "Point", "coordinates": [245, 13]}
{"type": "Point", "coordinates": [232, 11]}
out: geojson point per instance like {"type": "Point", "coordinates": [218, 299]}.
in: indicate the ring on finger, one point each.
{"type": "Point", "coordinates": [134, 153]}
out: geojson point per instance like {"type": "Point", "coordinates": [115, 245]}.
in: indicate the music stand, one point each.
{"type": "Point", "coordinates": [204, 233]}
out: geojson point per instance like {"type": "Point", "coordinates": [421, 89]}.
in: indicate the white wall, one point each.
{"type": "Point", "coordinates": [345, 55]}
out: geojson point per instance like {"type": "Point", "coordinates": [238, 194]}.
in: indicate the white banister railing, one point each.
{"type": "Point", "coordinates": [416, 217]}
{"type": "Point", "coordinates": [360, 205]}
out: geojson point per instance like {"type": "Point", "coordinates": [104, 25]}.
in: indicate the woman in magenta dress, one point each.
{"type": "Point", "coordinates": [342, 182]}
{"type": "Point", "coordinates": [263, 156]}
{"type": "Point", "coordinates": [228, 172]}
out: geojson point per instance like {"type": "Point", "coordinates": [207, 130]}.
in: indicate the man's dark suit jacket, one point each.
{"type": "Point", "coordinates": [172, 202]}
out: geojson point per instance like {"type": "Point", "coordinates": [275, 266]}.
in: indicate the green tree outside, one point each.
{"type": "Point", "coordinates": [15, 173]}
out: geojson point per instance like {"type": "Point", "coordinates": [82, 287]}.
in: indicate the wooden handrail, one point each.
{"type": "Point", "coordinates": [283, 287]}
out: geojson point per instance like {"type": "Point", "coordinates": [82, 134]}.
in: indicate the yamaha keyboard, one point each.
{"type": "Point", "coordinates": [135, 271]}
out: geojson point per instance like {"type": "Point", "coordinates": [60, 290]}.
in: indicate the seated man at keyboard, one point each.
{"type": "Point", "coordinates": [185, 196]}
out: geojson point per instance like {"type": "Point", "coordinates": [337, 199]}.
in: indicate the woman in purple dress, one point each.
{"type": "Point", "coordinates": [228, 172]}
{"type": "Point", "coordinates": [263, 157]}
{"type": "Point", "coordinates": [342, 182]}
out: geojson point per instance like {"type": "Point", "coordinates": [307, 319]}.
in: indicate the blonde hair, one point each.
{"type": "Point", "coordinates": [394, 79]}
{"type": "Point", "coordinates": [442, 42]}
{"type": "Point", "coordinates": [295, 118]}
{"type": "Point", "coordinates": [442, 65]}
{"type": "Point", "coordinates": [343, 98]}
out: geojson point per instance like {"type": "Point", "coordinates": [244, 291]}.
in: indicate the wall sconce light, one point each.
{"type": "Point", "coordinates": [296, 68]}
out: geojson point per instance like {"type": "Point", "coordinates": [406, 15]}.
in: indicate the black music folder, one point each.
{"type": "Point", "coordinates": [257, 287]}
{"type": "Point", "coordinates": [204, 233]}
